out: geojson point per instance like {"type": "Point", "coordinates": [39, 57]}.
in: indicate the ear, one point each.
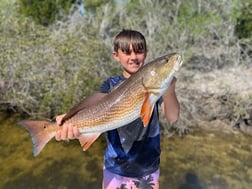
{"type": "Point", "coordinates": [115, 55]}
{"type": "Point", "coordinates": [145, 54]}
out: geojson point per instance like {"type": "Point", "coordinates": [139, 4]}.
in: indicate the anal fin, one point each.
{"type": "Point", "coordinates": [87, 139]}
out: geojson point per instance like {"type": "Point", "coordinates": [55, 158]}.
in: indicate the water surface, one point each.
{"type": "Point", "coordinates": [200, 160]}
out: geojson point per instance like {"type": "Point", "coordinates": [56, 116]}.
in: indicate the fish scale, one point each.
{"type": "Point", "coordinates": [112, 110]}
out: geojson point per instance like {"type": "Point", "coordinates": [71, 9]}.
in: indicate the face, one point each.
{"type": "Point", "coordinates": [130, 61]}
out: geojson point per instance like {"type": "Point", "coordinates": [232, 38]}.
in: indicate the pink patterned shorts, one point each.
{"type": "Point", "coordinates": [113, 181]}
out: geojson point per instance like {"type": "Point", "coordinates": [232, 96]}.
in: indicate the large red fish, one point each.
{"type": "Point", "coordinates": [133, 98]}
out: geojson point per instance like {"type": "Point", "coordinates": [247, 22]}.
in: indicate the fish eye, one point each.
{"type": "Point", "coordinates": [153, 73]}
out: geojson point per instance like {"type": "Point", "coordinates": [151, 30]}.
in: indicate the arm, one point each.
{"type": "Point", "coordinates": [170, 105]}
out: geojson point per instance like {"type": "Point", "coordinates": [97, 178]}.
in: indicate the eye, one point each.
{"type": "Point", "coordinates": [127, 52]}
{"type": "Point", "coordinates": [153, 73]}
{"type": "Point", "coordinates": [44, 126]}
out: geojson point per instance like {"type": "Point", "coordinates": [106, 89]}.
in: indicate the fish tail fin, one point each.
{"type": "Point", "coordinates": [39, 133]}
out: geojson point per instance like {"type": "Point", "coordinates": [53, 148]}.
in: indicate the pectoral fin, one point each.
{"type": "Point", "coordinates": [87, 139]}
{"type": "Point", "coordinates": [146, 111]}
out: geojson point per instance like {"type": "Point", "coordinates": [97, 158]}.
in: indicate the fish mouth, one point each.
{"type": "Point", "coordinates": [178, 63]}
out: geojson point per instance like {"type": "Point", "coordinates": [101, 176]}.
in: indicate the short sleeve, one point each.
{"type": "Point", "coordinates": [105, 87]}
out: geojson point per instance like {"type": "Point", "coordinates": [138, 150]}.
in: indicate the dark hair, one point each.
{"type": "Point", "coordinates": [125, 38]}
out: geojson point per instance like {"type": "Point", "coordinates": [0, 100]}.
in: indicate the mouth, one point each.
{"type": "Point", "coordinates": [134, 63]}
{"type": "Point", "coordinates": [178, 63]}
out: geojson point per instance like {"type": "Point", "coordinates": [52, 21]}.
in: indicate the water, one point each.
{"type": "Point", "coordinates": [201, 160]}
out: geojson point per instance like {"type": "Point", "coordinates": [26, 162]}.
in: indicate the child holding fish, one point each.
{"type": "Point", "coordinates": [132, 156]}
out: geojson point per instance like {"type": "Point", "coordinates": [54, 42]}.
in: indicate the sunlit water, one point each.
{"type": "Point", "coordinates": [200, 160]}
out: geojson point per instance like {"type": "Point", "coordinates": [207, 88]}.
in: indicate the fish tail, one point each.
{"type": "Point", "coordinates": [39, 133]}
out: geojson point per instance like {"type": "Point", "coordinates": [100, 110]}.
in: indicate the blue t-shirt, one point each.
{"type": "Point", "coordinates": [133, 150]}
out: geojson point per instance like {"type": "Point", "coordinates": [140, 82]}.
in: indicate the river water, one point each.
{"type": "Point", "coordinates": [200, 160]}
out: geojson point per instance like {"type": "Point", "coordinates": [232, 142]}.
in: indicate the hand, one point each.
{"type": "Point", "coordinates": [59, 119]}
{"type": "Point", "coordinates": [172, 85]}
{"type": "Point", "coordinates": [170, 105]}
{"type": "Point", "coordinates": [67, 132]}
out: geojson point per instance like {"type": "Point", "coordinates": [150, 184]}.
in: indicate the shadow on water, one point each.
{"type": "Point", "coordinates": [191, 182]}
{"type": "Point", "coordinates": [201, 160]}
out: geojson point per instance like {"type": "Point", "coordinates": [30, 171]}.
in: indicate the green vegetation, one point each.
{"type": "Point", "coordinates": [44, 12]}
{"type": "Point", "coordinates": [46, 70]}
{"type": "Point", "coordinates": [243, 28]}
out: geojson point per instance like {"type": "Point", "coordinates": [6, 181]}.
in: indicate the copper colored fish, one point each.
{"type": "Point", "coordinates": [133, 98]}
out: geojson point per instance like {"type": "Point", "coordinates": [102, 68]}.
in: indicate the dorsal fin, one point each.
{"type": "Point", "coordinates": [90, 100]}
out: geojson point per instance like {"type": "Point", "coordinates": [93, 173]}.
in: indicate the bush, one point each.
{"type": "Point", "coordinates": [243, 28]}
{"type": "Point", "coordinates": [45, 72]}
{"type": "Point", "coordinates": [44, 12]}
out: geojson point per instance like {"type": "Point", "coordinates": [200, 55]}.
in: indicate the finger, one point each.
{"type": "Point", "coordinates": [59, 119]}
{"type": "Point", "coordinates": [76, 132]}
{"type": "Point", "coordinates": [174, 80]}
{"type": "Point", "coordinates": [64, 132]}
{"type": "Point", "coordinates": [70, 134]}
{"type": "Point", "coordinates": [58, 135]}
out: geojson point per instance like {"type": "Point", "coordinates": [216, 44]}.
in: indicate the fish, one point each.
{"type": "Point", "coordinates": [133, 98]}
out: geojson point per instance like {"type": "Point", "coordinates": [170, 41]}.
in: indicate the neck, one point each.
{"type": "Point", "coordinates": [126, 74]}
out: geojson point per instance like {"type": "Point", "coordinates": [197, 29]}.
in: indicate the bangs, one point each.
{"type": "Point", "coordinates": [138, 46]}
{"type": "Point", "coordinates": [133, 38]}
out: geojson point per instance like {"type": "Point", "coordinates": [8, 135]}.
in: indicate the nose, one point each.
{"type": "Point", "coordinates": [133, 55]}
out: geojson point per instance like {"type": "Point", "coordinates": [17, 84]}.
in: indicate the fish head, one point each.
{"type": "Point", "coordinates": [167, 64]}
{"type": "Point", "coordinates": [160, 72]}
